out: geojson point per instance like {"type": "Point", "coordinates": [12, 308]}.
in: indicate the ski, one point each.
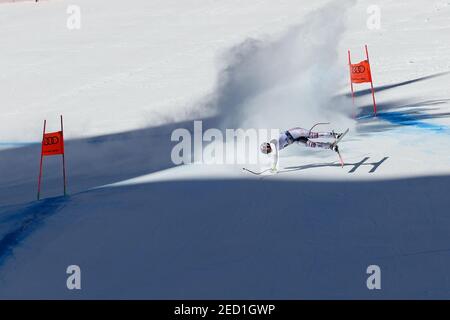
{"type": "Point", "coordinates": [341, 161]}
{"type": "Point", "coordinates": [342, 135]}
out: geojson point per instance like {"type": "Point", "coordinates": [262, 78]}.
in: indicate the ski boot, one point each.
{"type": "Point", "coordinates": [336, 135]}
{"type": "Point", "coordinates": [334, 147]}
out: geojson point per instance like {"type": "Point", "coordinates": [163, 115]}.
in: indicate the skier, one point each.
{"type": "Point", "coordinates": [301, 136]}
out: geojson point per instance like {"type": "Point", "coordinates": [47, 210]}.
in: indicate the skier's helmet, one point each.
{"type": "Point", "coordinates": [266, 148]}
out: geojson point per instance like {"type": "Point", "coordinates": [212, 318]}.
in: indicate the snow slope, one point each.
{"type": "Point", "coordinates": [131, 65]}
{"type": "Point", "coordinates": [141, 227]}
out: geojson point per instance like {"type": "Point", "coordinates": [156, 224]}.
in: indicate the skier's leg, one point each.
{"type": "Point", "coordinates": [317, 135]}
{"type": "Point", "coordinates": [311, 144]}
{"type": "Point", "coordinates": [321, 145]}
{"type": "Point", "coordinates": [299, 133]}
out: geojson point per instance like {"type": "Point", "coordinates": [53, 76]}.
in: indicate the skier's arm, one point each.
{"type": "Point", "coordinates": [275, 155]}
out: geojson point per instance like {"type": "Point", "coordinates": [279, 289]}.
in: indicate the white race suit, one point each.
{"type": "Point", "coordinates": [302, 136]}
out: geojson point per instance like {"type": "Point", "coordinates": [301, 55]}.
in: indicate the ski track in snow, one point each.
{"type": "Point", "coordinates": [18, 224]}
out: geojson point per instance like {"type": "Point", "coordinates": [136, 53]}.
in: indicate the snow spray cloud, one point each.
{"type": "Point", "coordinates": [272, 84]}
{"type": "Point", "coordinates": [288, 81]}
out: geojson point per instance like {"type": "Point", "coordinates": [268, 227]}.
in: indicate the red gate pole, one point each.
{"type": "Point", "coordinates": [63, 158]}
{"type": "Point", "coordinates": [351, 82]}
{"type": "Point", "coordinates": [40, 166]}
{"type": "Point", "coordinates": [371, 83]}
